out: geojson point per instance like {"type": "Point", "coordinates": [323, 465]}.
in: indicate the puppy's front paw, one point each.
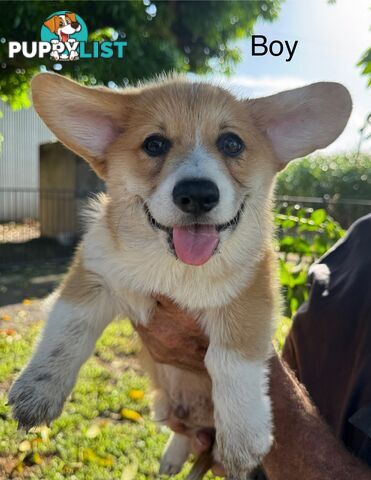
{"type": "Point", "coordinates": [241, 456]}
{"type": "Point", "coordinates": [241, 449]}
{"type": "Point", "coordinates": [36, 398]}
{"type": "Point", "coordinates": [176, 453]}
{"type": "Point", "coordinates": [167, 467]}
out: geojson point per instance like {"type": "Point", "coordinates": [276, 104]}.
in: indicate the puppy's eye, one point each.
{"type": "Point", "coordinates": [230, 144]}
{"type": "Point", "coordinates": [156, 145]}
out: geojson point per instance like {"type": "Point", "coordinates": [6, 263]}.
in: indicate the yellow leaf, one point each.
{"type": "Point", "coordinates": [35, 442]}
{"type": "Point", "coordinates": [36, 459]}
{"type": "Point", "coordinates": [93, 431]}
{"type": "Point", "coordinates": [44, 432]}
{"type": "Point", "coordinates": [130, 472]}
{"type": "Point", "coordinates": [5, 317]}
{"type": "Point", "coordinates": [131, 415]}
{"type": "Point", "coordinates": [88, 455]}
{"type": "Point", "coordinates": [136, 394]}
{"type": "Point", "coordinates": [24, 446]}
{"type": "Point", "coordinates": [27, 301]}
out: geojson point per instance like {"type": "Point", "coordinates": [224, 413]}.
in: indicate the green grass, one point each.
{"type": "Point", "coordinates": [91, 439]}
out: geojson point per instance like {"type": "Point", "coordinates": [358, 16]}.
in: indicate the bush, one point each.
{"type": "Point", "coordinates": [303, 236]}
{"type": "Point", "coordinates": [333, 178]}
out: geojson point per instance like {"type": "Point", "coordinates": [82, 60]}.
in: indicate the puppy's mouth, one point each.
{"type": "Point", "coordinates": [196, 243]}
{"type": "Point", "coordinates": [65, 37]}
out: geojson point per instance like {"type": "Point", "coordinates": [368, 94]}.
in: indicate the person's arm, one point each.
{"type": "Point", "coordinates": [304, 447]}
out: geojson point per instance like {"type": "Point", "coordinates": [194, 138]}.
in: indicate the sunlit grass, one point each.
{"type": "Point", "coordinates": [105, 431]}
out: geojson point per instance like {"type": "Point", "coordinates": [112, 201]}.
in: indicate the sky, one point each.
{"type": "Point", "coordinates": [332, 38]}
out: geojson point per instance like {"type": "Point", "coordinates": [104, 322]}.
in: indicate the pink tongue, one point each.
{"type": "Point", "coordinates": [195, 244]}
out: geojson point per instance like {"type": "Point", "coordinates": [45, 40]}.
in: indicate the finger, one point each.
{"type": "Point", "coordinates": [201, 442]}
{"type": "Point", "coordinates": [218, 469]}
{"type": "Point", "coordinates": [177, 426]}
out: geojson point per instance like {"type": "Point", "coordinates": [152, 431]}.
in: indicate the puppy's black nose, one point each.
{"type": "Point", "coordinates": [75, 24]}
{"type": "Point", "coordinates": [196, 196]}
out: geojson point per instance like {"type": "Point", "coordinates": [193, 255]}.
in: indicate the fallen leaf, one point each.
{"type": "Point", "coordinates": [36, 459]}
{"type": "Point", "coordinates": [88, 455]}
{"type": "Point", "coordinates": [136, 394]}
{"type": "Point", "coordinates": [93, 431]}
{"type": "Point", "coordinates": [19, 467]}
{"type": "Point", "coordinates": [25, 446]}
{"type": "Point", "coordinates": [5, 317]}
{"type": "Point", "coordinates": [44, 432]}
{"type": "Point", "coordinates": [8, 332]}
{"type": "Point", "coordinates": [130, 472]}
{"type": "Point", "coordinates": [35, 442]}
{"type": "Point", "coordinates": [27, 301]}
{"type": "Point", "coordinates": [131, 415]}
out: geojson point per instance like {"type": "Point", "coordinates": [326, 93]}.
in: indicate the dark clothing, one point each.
{"type": "Point", "coordinates": [329, 346]}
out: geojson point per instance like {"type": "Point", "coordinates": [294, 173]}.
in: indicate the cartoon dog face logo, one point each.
{"type": "Point", "coordinates": [64, 25]}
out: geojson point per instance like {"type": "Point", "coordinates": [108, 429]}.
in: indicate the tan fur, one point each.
{"type": "Point", "coordinates": [246, 324]}
{"type": "Point", "coordinates": [80, 284]}
{"type": "Point", "coordinates": [123, 261]}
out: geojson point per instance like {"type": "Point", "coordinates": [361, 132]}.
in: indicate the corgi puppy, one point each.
{"type": "Point", "coordinates": [189, 171]}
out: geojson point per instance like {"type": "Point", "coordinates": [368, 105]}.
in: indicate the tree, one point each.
{"type": "Point", "coordinates": [365, 63]}
{"type": "Point", "coordinates": [185, 36]}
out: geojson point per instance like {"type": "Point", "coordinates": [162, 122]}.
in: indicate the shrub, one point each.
{"type": "Point", "coordinates": [335, 179]}
{"type": "Point", "coordinates": [303, 236]}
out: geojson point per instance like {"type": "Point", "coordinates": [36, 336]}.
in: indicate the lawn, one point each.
{"type": "Point", "coordinates": [105, 431]}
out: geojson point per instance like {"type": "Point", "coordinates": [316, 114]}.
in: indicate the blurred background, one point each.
{"type": "Point", "coordinates": [105, 431]}
{"type": "Point", "coordinates": [43, 187]}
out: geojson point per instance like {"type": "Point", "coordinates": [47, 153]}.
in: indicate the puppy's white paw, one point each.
{"type": "Point", "coordinates": [169, 468]}
{"type": "Point", "coordinates": [242, 448]}
{"type": "Point", "coordinates": [176, 453]}
{"type": "Point", "coordinates": [36, 397]}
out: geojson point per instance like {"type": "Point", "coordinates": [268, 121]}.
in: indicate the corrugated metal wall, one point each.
{"type": "Point", "coordinates": [23, 132]}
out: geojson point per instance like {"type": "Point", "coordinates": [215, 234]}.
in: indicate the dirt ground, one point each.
{"type": "Point", "coordinates": [30, 281]}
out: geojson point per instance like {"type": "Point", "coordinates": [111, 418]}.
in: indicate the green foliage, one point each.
{"type": "Point", "coordinates": [304, 235]}
{"type": "Point", "coordinates": [333, 178]}
{"type": "Point", "coordinates": [365, 63]}
{"type": "Point", "coordinates": [185, 36]}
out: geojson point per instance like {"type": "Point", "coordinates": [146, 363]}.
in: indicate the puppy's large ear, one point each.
{"type": "Point", "coordinates": [87, 120]}
{"type": "Point", "coordinates": [299, 121]}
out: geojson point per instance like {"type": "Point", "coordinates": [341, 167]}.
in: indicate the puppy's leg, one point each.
{"type": "Point", "coordinates": [176, 453]}
{"type": "Point", "coordinates": [242, 411]}
{"type": "Point", "coordinates": [81, 310]}
{"type": "Point", "coordinates": [236, 361]}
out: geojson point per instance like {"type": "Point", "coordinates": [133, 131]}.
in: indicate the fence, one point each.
{"type": "Point", "coordinates": [52, 234]}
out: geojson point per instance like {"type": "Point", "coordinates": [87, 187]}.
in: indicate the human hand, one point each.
{"type": "Point", "coordinates": [174, 337]}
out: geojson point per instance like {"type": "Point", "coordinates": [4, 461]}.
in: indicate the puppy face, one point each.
{"type": "Point", "coordinates": [192, 161]}
{"type": "Point", "coordinates": [63, 25]}
{"type": "Point", "coordinates": [189, 167]}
